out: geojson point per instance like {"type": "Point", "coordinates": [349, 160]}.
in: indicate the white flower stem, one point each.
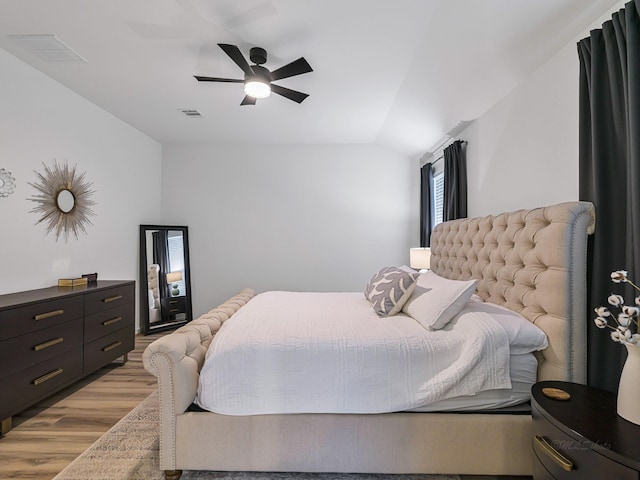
{"type": "Point", "coordinates": [632, 284]}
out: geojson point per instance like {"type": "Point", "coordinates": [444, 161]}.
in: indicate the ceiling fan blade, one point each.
{"type": "Point", "coordinates": [235, 55]}
{"type": "Point", "coordinates": [297, 67]}
{"type": "Point", "coordinates": [288, 93]}
{"type": "Point", "coordinates": [215, 79]}
{"type": "Point", "coordinates": [247, 100]}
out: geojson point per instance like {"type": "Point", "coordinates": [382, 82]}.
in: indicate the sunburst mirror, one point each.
{"type": "Point", "coordinates": [7, 183]}
{"type": "Point", "coordinates": [64, 202]}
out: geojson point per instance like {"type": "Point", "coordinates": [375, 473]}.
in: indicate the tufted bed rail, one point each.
{"type": "Point", "coordinates": [176, 361]}
{"type": "Point", "coordinates": [531, 261]}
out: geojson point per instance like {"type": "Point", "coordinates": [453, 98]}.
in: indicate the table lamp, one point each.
{"type": "Point", "coordinates": [172, 278]}
{"type": "Point", "coordinates": [420, 258]}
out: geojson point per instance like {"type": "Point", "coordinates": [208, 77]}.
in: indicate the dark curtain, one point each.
{"type": "Point", "coordinates": [455, 181]}
{"type": "Point", "coordinates": [161, 257]}
{"type": "Point", "coordinates": [609, 165]}
{"type": "Point", "coordinates": [426, 204]}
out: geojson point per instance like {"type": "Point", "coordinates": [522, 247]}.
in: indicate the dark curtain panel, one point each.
{"type": "Point", "coordinates": [609, 164]}
{"type": "Point", "coordinates": [426, 204]}
{"type": "Point", "coordinates": [455, 181]}
{"type": "Point", "coordinates": [161, 257]}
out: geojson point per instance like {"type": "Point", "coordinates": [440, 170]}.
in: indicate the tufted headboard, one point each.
{"type": "Point", "coordinates": [533, 262]}
{"type": "Point", "coordinates": [153, 285]}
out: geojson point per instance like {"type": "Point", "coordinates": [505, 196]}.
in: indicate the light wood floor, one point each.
{"type": "Point", "coordinates": [48, 436]}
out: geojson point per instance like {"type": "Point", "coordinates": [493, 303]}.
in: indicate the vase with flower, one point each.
{"type": "Point", "coordinates": [624, 330]}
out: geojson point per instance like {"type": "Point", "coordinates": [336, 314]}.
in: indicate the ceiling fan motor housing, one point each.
{"type": "Point", "coordinates": [260, 74]}
{"type": "Point", "coordinates": [258, 55]}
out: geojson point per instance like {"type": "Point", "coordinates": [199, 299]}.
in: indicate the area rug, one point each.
{"type": "Point", "coordinates": [129, 451]}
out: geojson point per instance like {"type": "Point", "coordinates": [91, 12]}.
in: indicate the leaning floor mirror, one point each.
{"type": "Point", "coordinates": [165, 284]}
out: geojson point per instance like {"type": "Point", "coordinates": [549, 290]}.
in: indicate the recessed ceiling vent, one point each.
{"type": "Point", "coordinates": [48, 48]}
{"type": "Point", "coordinates": [191, 112]}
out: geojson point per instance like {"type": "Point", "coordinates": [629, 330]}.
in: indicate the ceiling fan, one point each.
{"type": "Point", "coordinates": [257, 79]}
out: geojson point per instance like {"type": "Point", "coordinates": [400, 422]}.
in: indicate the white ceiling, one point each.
{"type": "Point", "coordinates": [398, 73]}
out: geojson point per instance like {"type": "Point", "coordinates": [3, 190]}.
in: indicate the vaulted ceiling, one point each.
{"type": "Point", "coordinates": [398, 73]}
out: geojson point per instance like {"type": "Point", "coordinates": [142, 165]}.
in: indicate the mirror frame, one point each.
{"type": "Point", "coordinates": [52, 184]}
{"type": "Point", "coordinates": [145, 327]}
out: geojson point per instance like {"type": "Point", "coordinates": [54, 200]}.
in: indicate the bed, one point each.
{"type": "Point", "coordinates": [530, 261]}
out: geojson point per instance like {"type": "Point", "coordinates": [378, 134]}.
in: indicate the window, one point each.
{"type": "Point", "coordinates": [438, 197]}
{"type": "Point", "coordinates": [176, 257]}
{"type": "Point", "coordinates": [438, 187]}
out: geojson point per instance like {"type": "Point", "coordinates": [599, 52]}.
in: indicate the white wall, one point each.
{"type": "Point", "coordinates": [40, 120]}
{"type": "Point", "coordinates": [313, 218]}
{"type": "Point", "coordinates": [523, 153]}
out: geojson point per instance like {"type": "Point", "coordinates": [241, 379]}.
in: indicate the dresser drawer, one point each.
{"type": "Point", "coordinates": [103, 323]}
{"type": "Point", "coordinates": [109, 298]}
{"type": "Point", "coordinates": [38, 346]}
{"type": "Point", "coordinates": [36, 382]}
{"type": "Point", "coordinates": [584, 459]}
{"type": "Point", "coordinates": [102, 351]}
{"type": "Point", "coordinates": [21, 320]}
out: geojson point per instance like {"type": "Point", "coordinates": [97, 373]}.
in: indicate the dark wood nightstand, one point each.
{"type": "Point", "coordinates": [583, 437]}
{"type": "Point", "coordinates": [172, 306]}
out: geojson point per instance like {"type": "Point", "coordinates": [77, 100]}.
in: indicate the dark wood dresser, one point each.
{"type": "Point", "coordinates": [52, 337]}
{"type": "Point", "coordinates": [583, 437]}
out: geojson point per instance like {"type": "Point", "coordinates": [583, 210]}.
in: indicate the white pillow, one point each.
{"type": "Point", "coordinates": [436, 300]}
{"type": "Point", "coordinates": [524, 336]}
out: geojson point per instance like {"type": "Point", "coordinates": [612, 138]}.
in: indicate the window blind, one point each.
{"type": "Point", "coordinates": [438, 198]}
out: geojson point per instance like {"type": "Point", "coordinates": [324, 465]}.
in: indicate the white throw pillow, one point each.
{"type": "Point", "coordinates": [389, 289]}
{"type": "Point", "coordinates": [436, 300]}
{"type": "Point", "coordinates": [524, 336]}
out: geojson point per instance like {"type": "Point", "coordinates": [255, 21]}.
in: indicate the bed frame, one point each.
{"type": "Point", "coordinates": [532, 261]}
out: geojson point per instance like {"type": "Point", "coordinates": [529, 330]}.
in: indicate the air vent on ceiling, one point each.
{"type": "Point", "coordinates": [48, 48]}
{"type": "Point", "coordinates": [191, 112]}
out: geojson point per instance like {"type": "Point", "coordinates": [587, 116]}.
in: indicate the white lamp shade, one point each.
{"type": "Point", "coordinates": [420, 258]}
{"type": "Point", "coordinates": [174, 277]}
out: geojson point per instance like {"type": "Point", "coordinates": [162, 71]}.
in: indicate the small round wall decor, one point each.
{"type": "Point", "coordinates": [64, 201]}
{"type": "Point", "coordinates": [7, 183]}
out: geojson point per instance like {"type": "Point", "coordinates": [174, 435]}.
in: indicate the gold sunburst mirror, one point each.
{"type": "Point", "coordinates": [64, 202]}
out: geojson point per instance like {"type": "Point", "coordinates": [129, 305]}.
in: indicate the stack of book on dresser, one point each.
{"type": "Point", "coordinates": [72, 282]}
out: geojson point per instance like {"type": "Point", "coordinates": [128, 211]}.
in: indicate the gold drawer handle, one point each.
{"type": "Point", "coordinates": [174, 310]}
{"type": "Point", "coordinates": [112, 346]}
{"type": "Point", "coordinates": [173, 301]}
{"type": "Point", "coordinates": [106, 323]}
{"type": "Point", "coordinates": [48, 344]}
{"type": "Point", "coordinates": [48, 376]}
{"type": "Point", "coordinates": [556, 456]}
{"type": "Point", "coordinates": [112, 299]}
{"type": "Point", "coordinates": [42, 316]}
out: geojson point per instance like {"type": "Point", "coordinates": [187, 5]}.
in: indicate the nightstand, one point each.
{"type": "Point", "coordinates": [172, 306]}
{"type": "Point", "coordinates": [583, 437]}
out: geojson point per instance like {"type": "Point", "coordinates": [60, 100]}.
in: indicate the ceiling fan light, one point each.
{"type": "Point", "coordinates": [257, 89]}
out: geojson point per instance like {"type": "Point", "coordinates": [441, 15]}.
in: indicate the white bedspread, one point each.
{"type": "Point", "coordinates": [289, 352]}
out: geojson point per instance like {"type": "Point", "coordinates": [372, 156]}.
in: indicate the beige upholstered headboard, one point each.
{"type": "Point", "coordinates": [152, 281]}
{"type": "Point", "coordinates": [533, 262]}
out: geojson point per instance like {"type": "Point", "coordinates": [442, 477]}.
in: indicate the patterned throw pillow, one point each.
{"type": "Point", "coordinates": [389, 288]}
